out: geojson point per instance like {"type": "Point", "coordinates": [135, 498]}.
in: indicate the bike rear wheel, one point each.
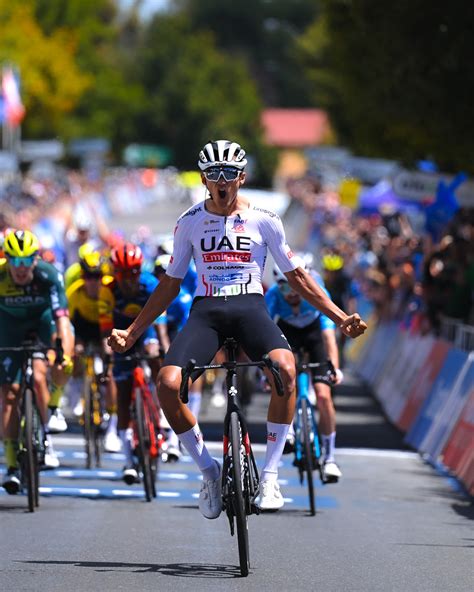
{"type": "Point", "coordinates": [308, 453]}
{"type": "Point", "coordinates": [30, 469]}
{"type": "Point", "coordinates": [144, 446]}
{"type": "Point", "coordinates": [235, 437]}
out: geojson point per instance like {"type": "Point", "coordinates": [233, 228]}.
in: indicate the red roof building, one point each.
{"type": "Point", "coordinates": [295, 128]}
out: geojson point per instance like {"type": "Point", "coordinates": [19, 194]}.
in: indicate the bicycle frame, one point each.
{"type": "Point", "coordinates": [240, 480]}
{"type": "Point", "coordinates": [303, 394]}
{"type": "Point", "coordinates": [248, 464]}
{"type": "Point", "coordinates": [93, 404]}
{"type": "Point", "coordinates": [32, 434]}
{"type": "Point", "coordinates": [152, 416]}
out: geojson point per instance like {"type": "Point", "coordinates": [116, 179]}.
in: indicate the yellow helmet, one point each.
{"type": "Point", "coordinates": [85, 249]}
{"type": "Point", "coordinates": [91, 264]}
{"type": "Point", "coordinates": [20, 243]}
{"type": "Point", "coordinates": [333, 262]}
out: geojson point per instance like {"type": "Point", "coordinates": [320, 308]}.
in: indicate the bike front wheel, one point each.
{"type": "Point", "coordinates": [29, 459]}
{"type": "Point", "coordinates": [144, 446]}
{"type": "Point", "coordinates": [308, 453]}
{"type": "Point", "coordinates": [238, 500]}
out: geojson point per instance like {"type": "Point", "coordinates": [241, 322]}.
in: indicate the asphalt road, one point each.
{"type": "Point", "coordinates": [392, 523]}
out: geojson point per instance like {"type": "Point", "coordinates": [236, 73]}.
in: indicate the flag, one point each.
{"type": "Point", "coordinates": [14, 110]}
{"type": "Point", "coordinates": [445, 206]}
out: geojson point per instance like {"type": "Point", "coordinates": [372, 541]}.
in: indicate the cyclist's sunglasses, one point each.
{"type": "Point", "coordinates": [22, 261]}
{"type": "Point", "coordinates": [214, 173]}
{"type": "Point", "coordinates": [92, 276]}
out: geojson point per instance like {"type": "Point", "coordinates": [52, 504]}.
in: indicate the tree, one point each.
{"type": "Point", "coordinates": [263, 33]}
{"type": "Point", "coordinates": [52, 83]}
{"type": "Point", "coordinates": [194, 91]}
{"type": "Point", "coordinates": [395, 78]}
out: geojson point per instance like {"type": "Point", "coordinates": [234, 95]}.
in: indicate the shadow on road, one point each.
{"type": "Point", "coordinates": [184, 570]}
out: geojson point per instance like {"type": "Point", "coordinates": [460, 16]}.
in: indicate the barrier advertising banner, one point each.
{"type": "Point", "coordinates": [423, 383]}
{"type": "Point", "coordinates": [448, 413]}
{"type": "Point", "coordinates": [437, 396]}
{"type": "Point", "coordinates": [458, 454]}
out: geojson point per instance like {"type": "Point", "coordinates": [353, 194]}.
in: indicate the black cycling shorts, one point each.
{"type": "Point", "coordinates": [309, 340]}
{"type": "Point", "coordinates": [213, 319]}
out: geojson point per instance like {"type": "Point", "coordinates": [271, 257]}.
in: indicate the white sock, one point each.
{"type": "Point", "coordinates": [329, 445]}
{"type": "Point", "coordinates": [112, 427]}
{"type": "Point", "coordinates": [73, 390]}
{"type": "Point", "coordinates": [194, 444]}
{"type": "Point", "coordinates": [126, 436]}
{"type": "Point", "coordinates": [194, 403]}
{"type": "Point", "coordinates": [173, 439]}
{"type": "Point", "coordinates": [291, 431]}
{"type": "Point", "coordinates": [276, 437]}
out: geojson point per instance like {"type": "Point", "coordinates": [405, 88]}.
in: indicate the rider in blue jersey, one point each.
{"type": "Point", "coordinates": [307, 328]}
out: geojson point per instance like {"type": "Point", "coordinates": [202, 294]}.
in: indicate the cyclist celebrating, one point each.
{"type": "Point", "coordinates": [228, 238]}
{"type": "Point", "coordinates": [119, 303]}
{"type": "Point", "coordinates": [306, 328]}
{"type": "Point", "coordinates": [32, 301]}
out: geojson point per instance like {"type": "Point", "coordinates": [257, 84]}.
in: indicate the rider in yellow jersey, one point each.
{"type": "Point", "coordinates": [83, 301]}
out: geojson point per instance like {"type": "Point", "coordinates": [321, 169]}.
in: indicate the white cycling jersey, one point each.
{"type": "Point", "coordinates": [229, 251]}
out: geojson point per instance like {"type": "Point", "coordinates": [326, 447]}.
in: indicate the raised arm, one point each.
{"type": "Point", "coordinates": [166, 291]}
{"type": "Point", "coordinates": [307, 288]}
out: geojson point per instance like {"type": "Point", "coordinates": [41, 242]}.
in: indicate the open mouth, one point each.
{"type": "Point", "coordinates": [222, 193]}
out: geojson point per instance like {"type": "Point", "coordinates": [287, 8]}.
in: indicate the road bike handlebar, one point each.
{"type": "Point", "coordinates": [192, 366]}
{"type": "Point", "coordinates": [34, 347]}
{"type": "Point", "coordinates": [327, 367]}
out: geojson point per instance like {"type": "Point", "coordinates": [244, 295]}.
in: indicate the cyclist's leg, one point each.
{"type": "Point", "coordinates": [123, 381]}
{"type": "Point", "coordinates": [327, 412]}
{"type": "Point", "coordinates": [59, 378]}
{"type": "Point", "coordinates": [200, 341]}
{"type": "Point", "coordinates": [259, 335]}
{"type": "Point", "coordinates": [10, 376]}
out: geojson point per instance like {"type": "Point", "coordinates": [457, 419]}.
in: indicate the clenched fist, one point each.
{"type": "Point", "coordinates": [120, 340]}
{"type": "Point", "coordinates": [353, 326]}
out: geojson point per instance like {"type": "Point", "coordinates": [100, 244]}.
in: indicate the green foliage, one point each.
{"type": "Point", "coordinates": [194, 92]}
{"type": "Point", "coordinates": [51, 80]}
{"type": "Point", "coordinates": [264, 33]}
{"type": "Point", "coordinates": [395, 77]}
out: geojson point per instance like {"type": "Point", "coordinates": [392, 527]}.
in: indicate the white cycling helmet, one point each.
{"type": "Point", "coordinates": [222, 153]}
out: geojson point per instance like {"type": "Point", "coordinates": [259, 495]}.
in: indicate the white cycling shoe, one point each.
{"type": "Point", "coordinates": [51, 459]}
{"type": "Point", "coordinates": [210, 497]}
{"type": "Point", "coordinates": [331, 472]}
{"type": "Point", "coordinates": [270, 498]}
{"type": "Point", "coordinates": [57, 422]}
{"type": "Point", "coordinates": [112, 442]}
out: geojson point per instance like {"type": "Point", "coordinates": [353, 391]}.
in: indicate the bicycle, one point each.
{"type": "Point", "coordinates": [307, 442]}
{"type": "Point", "coordinates": [240, 481]}
{"type": "Point", "coordinates": [95, 376]}
{"type": "Point", "coordinates": [32, 435]}
{"type": "Point", "coordinates": [147, 434]}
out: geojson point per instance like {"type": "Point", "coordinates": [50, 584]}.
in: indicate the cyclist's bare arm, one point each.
{"type": "Point", "coordinates": [63, 328]}
{"type": "Point", "coordinates": [166, 291]}
{"type": "Point", "coordinates": [330, 345]}
{"type": "Point", "coordinates": [307, 288]}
